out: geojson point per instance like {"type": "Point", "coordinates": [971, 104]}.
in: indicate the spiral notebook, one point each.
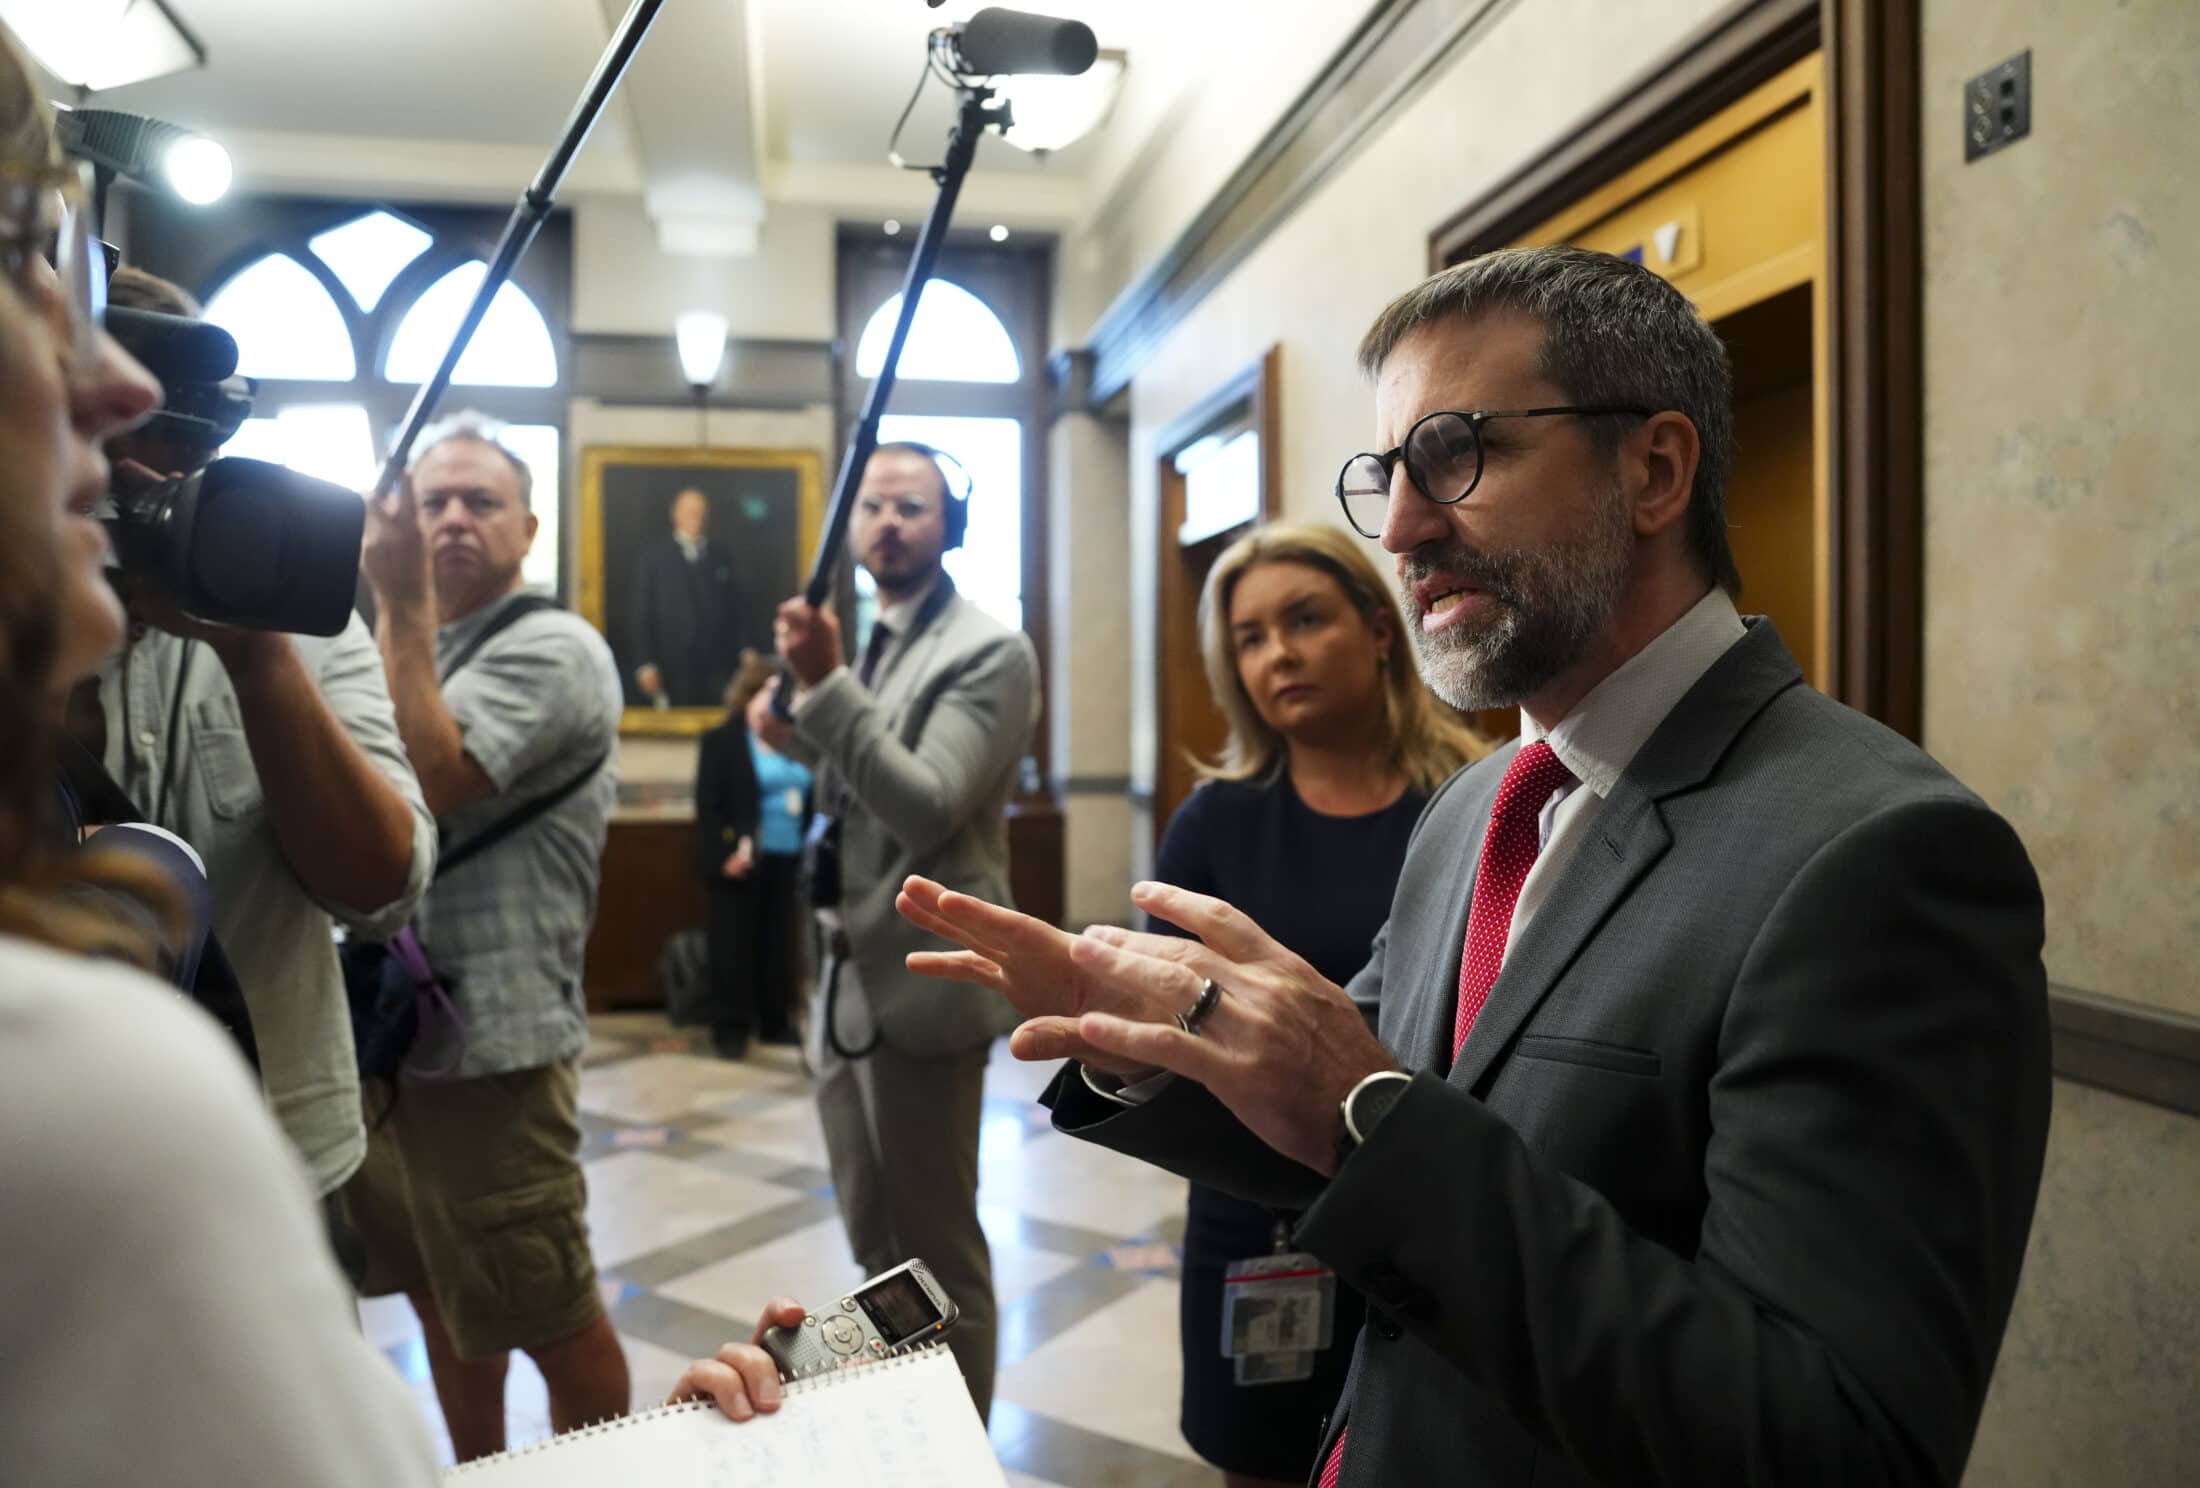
{"type": "Point", "coordinates": [906, 1421]}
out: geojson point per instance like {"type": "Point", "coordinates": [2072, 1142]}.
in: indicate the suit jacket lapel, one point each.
{"type": "Point", "coordinates": [1628, 836]}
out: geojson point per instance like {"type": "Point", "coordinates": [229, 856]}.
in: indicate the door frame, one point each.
{"type": "Point", "coordinates": [1257, 386]}
{"type": "Point", "coordinates": [1874, 288]}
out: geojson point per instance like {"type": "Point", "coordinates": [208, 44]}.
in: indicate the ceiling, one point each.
{"type": "Point", "coordinates": [731, 105]}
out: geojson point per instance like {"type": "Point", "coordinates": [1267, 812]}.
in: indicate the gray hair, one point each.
{"type": "Point", "coordinates": [1613, 333]}
{"type": "Point", "coordinates": [467, 423]}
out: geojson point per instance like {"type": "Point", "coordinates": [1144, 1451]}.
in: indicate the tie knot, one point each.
{"type": "Point", "coordinates": [1530, 780]}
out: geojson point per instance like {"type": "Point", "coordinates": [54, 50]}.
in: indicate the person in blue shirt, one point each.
{"type": "Point", "coordinates": [751, 804]}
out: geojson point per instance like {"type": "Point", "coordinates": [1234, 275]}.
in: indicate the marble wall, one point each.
{"type": "Point", "coordinates": [2062, 648]}
{"type": "Point", "coordinates": [1088, 670]}
{"type": "Point", "coordinates": [2102, 1358]}
{"type": "Point", "coordinates": [2062, 475]}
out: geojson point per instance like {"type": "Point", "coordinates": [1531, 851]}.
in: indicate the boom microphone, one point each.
{"type": "Point", "coordinates": [995, 41]}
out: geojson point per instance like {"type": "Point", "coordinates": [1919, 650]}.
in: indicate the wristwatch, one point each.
{"type": "Point", "coordinates": [1369, 1102]}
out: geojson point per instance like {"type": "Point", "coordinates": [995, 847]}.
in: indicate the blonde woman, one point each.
{"type": "Point", "coordinates": [1302, 823]}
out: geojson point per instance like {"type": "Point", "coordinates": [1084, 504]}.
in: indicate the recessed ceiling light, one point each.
{"type": "Point", "coordinates": [893, 227]}
{"type": "Point", "coordinates": [999, 233]}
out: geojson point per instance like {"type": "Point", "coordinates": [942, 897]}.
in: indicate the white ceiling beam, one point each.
{"type": "Point", "coordinates": [416, 169]}
{"type": "Point", "coordinates": [1030, 201]}
{"type": "Point", "coordinates": [688, 93]}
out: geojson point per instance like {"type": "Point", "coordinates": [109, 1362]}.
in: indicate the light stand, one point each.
{"type": "Point", "coordinates": [976, 114]}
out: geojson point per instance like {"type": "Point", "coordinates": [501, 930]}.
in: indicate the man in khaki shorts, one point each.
{"type": "Point", "coordinates": [471, 1201]}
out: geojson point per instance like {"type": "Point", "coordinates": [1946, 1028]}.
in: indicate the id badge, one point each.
{"type": "Point", "coordinates": [793, 803]}
{"type": "Point", "coordinates": [1273, 1369]}
{"type": "Point", "coordinates": [1275, 1306]}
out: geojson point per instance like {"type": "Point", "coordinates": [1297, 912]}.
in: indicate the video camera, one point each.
{"type": "Point", "coordinates": [238, 542]}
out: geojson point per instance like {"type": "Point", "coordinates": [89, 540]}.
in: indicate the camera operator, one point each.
{"type": "Point", "coordinates": [277, 758]}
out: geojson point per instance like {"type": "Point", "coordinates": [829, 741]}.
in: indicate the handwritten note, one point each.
{"type": "Point", "coordinates": [907, 1421]}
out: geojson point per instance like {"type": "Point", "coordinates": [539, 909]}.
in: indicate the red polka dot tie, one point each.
{"type": "Point", "coordinates": [1509, 848]}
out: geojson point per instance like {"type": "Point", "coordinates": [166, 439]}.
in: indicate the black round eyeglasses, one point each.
{"type": "Point", "coordinates": [1443, 457]}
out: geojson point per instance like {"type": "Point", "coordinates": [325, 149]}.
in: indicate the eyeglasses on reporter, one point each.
{"type": "Point", "coordinates": [32, 230]}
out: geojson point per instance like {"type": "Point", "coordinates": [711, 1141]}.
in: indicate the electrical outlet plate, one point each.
{"type": "Point", "coordinates": [1997, 107]}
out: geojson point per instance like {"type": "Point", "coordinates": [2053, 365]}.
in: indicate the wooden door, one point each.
{"type": "Point", "coordinates": [1187, 723]}
{"type": "Point", "coordinates": [1733, 214]}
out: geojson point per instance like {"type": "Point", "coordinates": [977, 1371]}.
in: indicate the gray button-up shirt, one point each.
{"type": "Point", "coordinates": [277, 935]}
{"type": "Point", "coordinates": [535, 706]}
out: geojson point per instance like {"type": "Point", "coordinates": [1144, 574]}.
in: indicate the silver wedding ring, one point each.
{"type": "Point", "coordinates": [1209, 995]}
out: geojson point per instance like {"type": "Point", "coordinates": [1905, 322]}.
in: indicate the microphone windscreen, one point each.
{"type": "Point", "coordinates": [174, 348]}
{"type": "Point", "coordinates": [996, 41]}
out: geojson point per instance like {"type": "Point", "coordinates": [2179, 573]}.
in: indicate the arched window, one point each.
{"type": "Point", "coordinates": [988, 568]}
{"type": "Point", "coordinates": [285, 323]}
{"type": "Point", "coordinates": [309, 316]}
{"type": "Point", "coordinates": [367, 252]}
{"type": "Point", "coordinates": [511, 346]}
{"type": "Point", "coordinates": [956, 337]}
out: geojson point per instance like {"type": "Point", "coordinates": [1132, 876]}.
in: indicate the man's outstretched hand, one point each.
{"type": "Point", "coordinates": [1281, 1049]}
{"type": "Point", "coordinates": [1026, 961]}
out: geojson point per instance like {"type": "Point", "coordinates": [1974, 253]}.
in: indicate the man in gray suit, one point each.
{"type": "Point", "coordinates": [1686, 1123]}
{"type": "Point", "coordinates": [917, 752]}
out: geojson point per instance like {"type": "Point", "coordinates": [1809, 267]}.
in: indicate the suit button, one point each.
{"type": "Point", "coordinates": [1384, 1324]}
{"type": "Point", "coordinates": [1382, 1282]}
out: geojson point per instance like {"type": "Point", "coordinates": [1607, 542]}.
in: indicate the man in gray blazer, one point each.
{"type": "Point", "coordinates": [917, 752]}
{"type": "Point", "coordinates": [1686, 1123]}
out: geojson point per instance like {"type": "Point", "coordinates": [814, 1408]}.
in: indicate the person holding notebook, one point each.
{"type": "Point", "coordinates": [152, 1217]}
{"type": "Point", "coordinates": [150, 1210]}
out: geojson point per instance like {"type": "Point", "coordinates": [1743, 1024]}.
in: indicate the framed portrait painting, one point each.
{"type": "Point", "coordinates": [685, 554]}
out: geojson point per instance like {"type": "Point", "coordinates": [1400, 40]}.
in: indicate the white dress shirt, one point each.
{"type": "Point", "coordinates": [1600, 737]}
{"type": "Point", "coordinates": [1596, 741]}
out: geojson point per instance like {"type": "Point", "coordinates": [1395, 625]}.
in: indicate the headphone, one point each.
{"type": "Point", "coordinates": [954, 481]}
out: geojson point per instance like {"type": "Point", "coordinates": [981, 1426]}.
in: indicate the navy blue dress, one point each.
{"type": "Point", "coordinates": [1322, 886]}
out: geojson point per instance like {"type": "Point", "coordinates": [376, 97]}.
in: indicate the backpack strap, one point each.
{"type": "Point", "coordinates": [512, 613]}
{"type": "Point", "coordinates": [506, 826]}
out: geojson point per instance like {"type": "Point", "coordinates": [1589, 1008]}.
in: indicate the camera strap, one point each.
{"type": "Point", "coordinates": [514, 611]}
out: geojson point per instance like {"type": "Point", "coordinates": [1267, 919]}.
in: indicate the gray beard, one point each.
{"type": "Point", "coordinates": [1553, 603]}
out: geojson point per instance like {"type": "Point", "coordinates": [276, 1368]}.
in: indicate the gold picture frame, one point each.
{"type": "Point", "coordinates": [617, 484]}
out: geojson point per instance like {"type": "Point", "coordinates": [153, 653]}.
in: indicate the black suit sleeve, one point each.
{"type": "Point", "coordinates": [1186, 1131]}
{"type": "Point", "coordinates": [1879, 1117]}
{"type": "Point", "coordinates": [641, 612]}
{"type": "Point", "coordinates": [727, 807]}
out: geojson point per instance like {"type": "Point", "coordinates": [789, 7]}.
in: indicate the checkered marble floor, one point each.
{"type": "Point", "coordinates": [709, 1194]}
